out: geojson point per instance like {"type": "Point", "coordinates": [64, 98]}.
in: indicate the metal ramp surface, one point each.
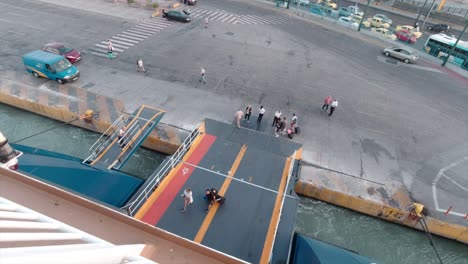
{"type": "Point", "coordinates": [111, 151]}
{"type": "Point", "coordinates": [254, 171]}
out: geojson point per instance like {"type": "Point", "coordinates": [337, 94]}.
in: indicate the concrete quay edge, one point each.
{"type": "Point", "coordinates": [388, 201]}
{"type": "Point", "coordinates": [68, 104]}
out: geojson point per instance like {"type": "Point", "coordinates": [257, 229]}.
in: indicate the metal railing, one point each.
{"type": "Point", "coordinates": [133, 206]}
{"type": "Point", "coordinates": [100, 144]}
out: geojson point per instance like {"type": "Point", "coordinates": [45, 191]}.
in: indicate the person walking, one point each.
{"type": "Point", "coordinates": [334, 105]}
{"type": "Point", "coordinates": [120, 137]}
{"type": "Point", "coordinates": [206, 22]}
{"type": "Point", "coordinates": [238, 115]}
{"type": "Point", "coordinates": [188, 198]}
{"type": "Point", "coordinates": [202, 75]}
{"type": "Point", "coordinates": [276, 118]}
{"type": "Point", "coordinates": [284, 126]}
{"type": "Point", "coordinates": [261, 112]}
{"type": "Point", "coordinates": [248, 112]}
{"type": "Point", "coordinates": [140, 65]}
{"type": "Point", "coordinates": [326, 103]}
{"type": "Point", "coordinates": [110, 49]}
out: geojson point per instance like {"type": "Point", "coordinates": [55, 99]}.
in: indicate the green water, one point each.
{"type": "Point", "coordinates": [385, 242]}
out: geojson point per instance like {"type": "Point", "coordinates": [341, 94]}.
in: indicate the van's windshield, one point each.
{"type": "Point", "coordinates": [61, 65]}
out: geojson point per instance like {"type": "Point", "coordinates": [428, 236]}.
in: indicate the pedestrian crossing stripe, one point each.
{"type": "Point", "coordinates": [130, 37]}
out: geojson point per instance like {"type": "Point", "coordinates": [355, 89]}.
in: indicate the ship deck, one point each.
{"type": "Point", "coordinates": [252, 171]}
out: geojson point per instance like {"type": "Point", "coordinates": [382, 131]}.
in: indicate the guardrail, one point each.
{"type": "Point", "coordinates": [154, 181]}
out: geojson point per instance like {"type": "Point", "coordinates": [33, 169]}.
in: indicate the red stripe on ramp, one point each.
{"type": "Point", "coordinates": [160, 205]}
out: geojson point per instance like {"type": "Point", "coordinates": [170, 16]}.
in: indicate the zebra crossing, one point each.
{"type": "Point", "coordinates": [131, 37]}
{"type": "Point", "coordinates": [225, 17]}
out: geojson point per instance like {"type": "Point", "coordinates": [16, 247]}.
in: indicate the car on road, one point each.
{"type": "Point", "coordinates": [51, 66]}
{"type": "Point", "coordinates": [358, 20]}
{"type": "Point", "coordinates": [403, 54]}
{"type": "Point", "coordinates": [411, 29]}
{"type": "Point", "coordinates": [438, 28]}
{"type": "Point", "coordinates": [343, 11]}
{"type": "Point", "coordinates": [378, 22]}
{"type": "Point", "coordinates": [71, 54]}
{"type": "Point", "coordinates": [176, 15]}
{"type": "Point", "coordinates": [384, 18]}
{"type": "Point", "coordinates": [406, 36]}
{"type": "Point", "coordinates": [191, 2]}
{"type": "Point", "coordinates": [384, 32]}
{"type": "Point", "coordinates": [327, 3]}
{"type": "Point", "coordinates": [302, 2]}
{"type": "Point", "coordinates": [318, 10]}
{"type": "Point", "coordinates": [347, 22]}
{"type": "Point", "coordinates": [354, 10]}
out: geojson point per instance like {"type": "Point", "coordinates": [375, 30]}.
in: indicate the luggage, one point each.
{"type": "Point", "coordinates": [296, 130]}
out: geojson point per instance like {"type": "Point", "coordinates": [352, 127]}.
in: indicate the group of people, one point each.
{"type": "Point", "coordinates": [329, 102]}
{"type": "Point", "coordinates": [281, 125]}
{"type": "Point", "coordinates": [248, 111]}
{"type": "Point", "coordinates": [211, 195]}
{"type": "Point", "coordinates": [110, 54]}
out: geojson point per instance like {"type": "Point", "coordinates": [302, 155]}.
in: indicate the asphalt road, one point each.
{"type": "Point", "coordinates": [393, 120]}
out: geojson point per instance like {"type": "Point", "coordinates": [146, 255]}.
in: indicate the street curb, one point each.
{"type": "Point", "coordinates": [314, 189]}
{"type": "Point", "coordinates": [69, 104]}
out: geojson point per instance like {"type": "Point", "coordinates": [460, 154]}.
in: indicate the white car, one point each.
{"type": "Point", "coordinates": [348, 22]}
{"type": "Point", "coordinates": [302, 2]}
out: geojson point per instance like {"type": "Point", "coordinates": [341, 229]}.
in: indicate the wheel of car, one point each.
{"type": "Point", "coordinates": [387, 53]}
{"type": "Point", "coordinates": [406, 61]}
{"type": "Point", "coordinates": [35, 74]}
{"type": "Point", "coordinates": [60, 81]}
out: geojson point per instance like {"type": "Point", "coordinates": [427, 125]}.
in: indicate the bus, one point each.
{"type": "Point", "coordinates": [439, 45]}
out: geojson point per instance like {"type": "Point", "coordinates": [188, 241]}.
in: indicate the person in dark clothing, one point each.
{"type": "Point", "coordinates": [212, 196]}
{"type": "Point", "coordinates": [248, 112]}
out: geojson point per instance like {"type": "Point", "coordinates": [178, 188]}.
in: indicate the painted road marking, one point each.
{"type": "Point", "coordinates": [211, 213]}
{"type": "Point", "coordinates": [105, 47]}
{"type": "Point", "coordinates": [117, 45]}
{"type": "Point", "coordinates": [173, 188]}
{"type": "Point", "coordinates": [124, 40]}
{"type": "Point", "coordinates": [130, 37]}
{"type": "Point", "coordinates": [436, 180]}
{"type": "Point", "coordinates": [275, 215]}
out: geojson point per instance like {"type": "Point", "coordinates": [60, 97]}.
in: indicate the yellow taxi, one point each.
{"type": "Point", "coordinates": [384, 33]}
{"type": "Point", "coordinates": [358, 19]}
{"type": "Point", "coordinates": [378, 22]}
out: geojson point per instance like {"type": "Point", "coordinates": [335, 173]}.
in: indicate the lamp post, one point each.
{"type": "Point", "coordinates": [454, 45]}
{"type": "Point", "coordinates": [428, 14]}
{"type": "Point", "coordinates": [419, 14]}
{"type": "Point", "coordinates": [363, 15]}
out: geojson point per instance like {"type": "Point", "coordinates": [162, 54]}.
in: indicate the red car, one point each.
{"type": "Point", "coordinates": [71, 54]}
{"type": "Point", "coordinates": [406, 36]}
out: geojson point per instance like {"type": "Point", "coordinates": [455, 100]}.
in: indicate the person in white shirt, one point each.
{"type": "Point", "coordinates": [202, 75]}
{"type": "Point", "coordinates": [333, 105]}
{"type": "Point", "coordinates": [261, 112]}
{"type": "Point", "coordinates": [238, 115]}
{"type": "Point", "coordinates": [140, 65]}
{"type": "Point", "coordinates": [188, 198]}
{"type": "Point", "coordinates": [277, 118]}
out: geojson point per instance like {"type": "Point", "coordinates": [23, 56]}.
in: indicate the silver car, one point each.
{"type": "Point", "coordinates": [403, 54]}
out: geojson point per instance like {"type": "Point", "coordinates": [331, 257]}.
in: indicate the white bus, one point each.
{"type": "Point", "coordinates": [439, 45]}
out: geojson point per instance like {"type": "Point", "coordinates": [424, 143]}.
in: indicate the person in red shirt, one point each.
{"type": "Point", "coordinates": [326, 103]}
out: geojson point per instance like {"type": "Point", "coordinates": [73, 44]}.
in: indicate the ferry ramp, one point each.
{"type": "Point", "coordinates": [126, 136]}
{"type": "Point", "coordinates": [255, 172]}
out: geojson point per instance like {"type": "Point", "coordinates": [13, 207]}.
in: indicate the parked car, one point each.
{"type": "Point", "coordinates": [318, 10]}
{"type": "Point", "coordinates": [406, 36]}
{"type": "Point", "coordinates": [302, 2]}
{"type": "Point", "coordinates": [327, 3]}
{"type": "Point", "coordinates": [378, 22]}
{"type": "Point", "coordinates": [354, 10]}
{"type": "Point", "coordinates": [411, 29]}
{"type": "Point", "coordinates": [438, 28]}
{"type": "Point", "coordinates": [71, 54]}
{"type": "Point", "coordinates": [176, 15]}
{"type": "Point", "coordinates": [348, 22]}
{"type": "Point", "coordinates": [343, 11]}
{"type": "Point", "coordinates": [358, 19]}
{"type": "Point", "coordinates": [384, 18]}
{"type": "Point", "coordinates": [384, 33]}
{"type": "Point", "coordinates": [403, 54]}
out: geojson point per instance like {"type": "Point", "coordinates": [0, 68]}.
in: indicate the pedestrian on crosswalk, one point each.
{"type": "Point", "coordinates": [202, 75]}
{"type": "Point", "coordinates": [110, 49]}
{"type": "Point", "coordinates": [140, 65]}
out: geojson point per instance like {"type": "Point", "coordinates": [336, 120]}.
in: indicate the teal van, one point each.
{"type": "Point", "coordinates": [51, 66]}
